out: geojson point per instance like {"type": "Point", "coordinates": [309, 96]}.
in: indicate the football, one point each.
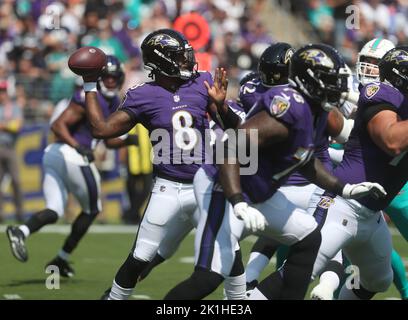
{"type": "Point", "coordinates": [87, 61]}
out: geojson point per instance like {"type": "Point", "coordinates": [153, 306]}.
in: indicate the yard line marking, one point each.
{"type": "Point", "coordinates": [97, 229]}
{"type": "Point", "coordinates": [189, 260]}
{"type": "Point", "coordinates": [12, 296]}
{"type": "Point", "coordinates": [141, 296]}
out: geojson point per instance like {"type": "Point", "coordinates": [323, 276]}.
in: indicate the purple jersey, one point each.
{"type": "Point", "coordinates": [81, 131]}
{"type": "Point", "coordinates": [250, 92]}
{"type": "Point", "coordinates": [218, 133]}
{"type": "Point", "coordinates": [276, 163]}
{"type": "Point", "coordinates": [321, 152]}
{"type": "Point", "coordinates": [363, 160]}
{"type": "Point", "coordinates": [181, 115]}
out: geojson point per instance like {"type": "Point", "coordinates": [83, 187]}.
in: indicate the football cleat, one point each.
{"type": "Point", "coordinates": [17, 245]}
{"type": "Point", "coordinates": [65, 270]}
{"type": "Point", "coordinates": [321, 292]}
{"type": "Point", "coordinates": [106, 294]}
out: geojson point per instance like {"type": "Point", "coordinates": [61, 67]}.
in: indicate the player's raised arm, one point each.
{"type": "Point", "coordinates": [117, 124]}
{"type": "Point", "coordinates": [89, 62]}
{"type": "Point", "coordinates": [219, 110]}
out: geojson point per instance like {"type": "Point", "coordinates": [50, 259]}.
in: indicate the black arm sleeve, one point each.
{"type": "Point", "coordinates": [371, 111]}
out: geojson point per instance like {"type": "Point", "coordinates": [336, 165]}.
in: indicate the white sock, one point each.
{"type": "Point", "coordinates": [63, 255]}
{"type": "Point", "coordinates": [119, 293]}
{"type": "Point", "coordinates": [235, 287]}
{"type": "Point", "coordinates": [256, 263]}
{"type": "Point", "coordinates": [347, 294]}
{"type": "Point", "coordinates": [330, 279]}
{"type": "Point", "coordinates": [24, 229]}
{"type": "Point", "coordinates": [257, 295]}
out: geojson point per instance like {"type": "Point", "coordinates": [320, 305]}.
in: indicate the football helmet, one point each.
{"type": "Point", "coordinates": [112, 77]}
{"type": "Point", "coordinates": [369, 58]}
{"type": "Point", "coordinates": [168, 52]}
{"type": "Point", "coordinates": [319, 72]}
{"type": "Point", "coordinates": [273, 66]}
{"type": "Point", "coordinates": [394, 68]}
{"type": "Point", "coordinates": [248, 77]}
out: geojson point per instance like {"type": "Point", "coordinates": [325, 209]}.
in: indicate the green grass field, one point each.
{"type": "Point", "coordinates": [96, 261]}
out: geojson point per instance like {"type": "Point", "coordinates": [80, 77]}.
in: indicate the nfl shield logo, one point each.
{"type": "Point", "coordinates": [176, 98]}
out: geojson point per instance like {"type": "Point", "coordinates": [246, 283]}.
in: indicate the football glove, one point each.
{"type": "Point", "coordinates": [86, 152]}
{"type": "Point", "coordinates": [253, 219]}
{"type": "Point", "coordinates": [355, 191]}
{"type": "Point", "coordinates": [132, 140]}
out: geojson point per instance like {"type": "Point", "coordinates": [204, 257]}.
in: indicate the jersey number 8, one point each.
{"type": "Point", "coordinates": [185, 136]}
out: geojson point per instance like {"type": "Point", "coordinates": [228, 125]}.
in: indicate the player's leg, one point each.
{"type": "Point", "coordinates": [400, 278]}
{"type": "Point", "coordinates": [291, 226]}
{"type": "Point", "coordinates": [235, 284]}
{"type": "Point", "coordinates": [329, 281]}
{"type": "Point", "coordinates": [261, 253]}
{"type": "Point", "coordinates": [370, 257]}
{"type": "Point", "coordinates": [177, 230]}
{"type": "Point", "coordinates": [55, 194]}
{"type": "Point", "coordinates": [216, 242]}
{"type": "Point", "coordinates": [163, 206]}
{"type": "Point", "coordinates": [398, 211]}
{"type": "Point", "coordinates": [2, 175]}
{"type": "Point", "coordinates": [84, 183]}
{"type": "Point", "coordinates": [264, 249]}
{"type": "Point", "coordinates": [12, 168]}
{"type": "Point", "coordinates": [339, 227]}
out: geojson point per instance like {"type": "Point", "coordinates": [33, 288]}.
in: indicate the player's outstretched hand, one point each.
{"type": "Point", "coordinates": [253, 219]}
{"type": "Point", "coordinates": [355, 191]}
{"type": "Point", "coordinates": [218, 91]}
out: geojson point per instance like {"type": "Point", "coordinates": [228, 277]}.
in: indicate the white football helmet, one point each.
{"type": "Point", "coordinates": [369, 57]}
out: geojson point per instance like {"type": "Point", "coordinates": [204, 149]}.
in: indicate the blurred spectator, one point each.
{"type": "Point", "coordinates": [11, 120]}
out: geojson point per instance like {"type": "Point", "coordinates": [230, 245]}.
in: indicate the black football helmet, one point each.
{"type": "Point", "coordinates": [168, 52]}
{"type": "Point", "coordinates": [112, 77]}
{"type": "Point", "coordinates": [319, 72]}
{"type": "Point", "coordinates": [273, 67]}
{"type": "Point", "coordinates": [248, 77]}
{"type": "Point", "coordinates": [394, 68]}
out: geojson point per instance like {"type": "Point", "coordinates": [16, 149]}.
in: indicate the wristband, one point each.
{"type": "Point", "coordinates": [235, 198]}
{"type": "Point", "coordinates": [90, 87]}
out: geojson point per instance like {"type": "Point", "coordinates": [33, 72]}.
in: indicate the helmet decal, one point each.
{"type": "Point", "coordinates": [397, 56]}
{"type": "Point", "coordinates": [288, 55]}
{"type": "Point", "coordinates": [163, 40]}
{"type": "Point", "coordinates": [317, 57]}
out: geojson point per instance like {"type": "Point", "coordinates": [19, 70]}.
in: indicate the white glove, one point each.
{"type": "Point", "coordinates": [355, 191]}
{"type": "Point", "coordinates": [322, 292]}
{"type": "Point", "coordinates": [253, 219]}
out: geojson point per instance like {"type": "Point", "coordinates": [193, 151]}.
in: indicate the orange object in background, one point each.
{"type": "Point", "coordinates": [204, 60]}
{"type": "Point", "coordinates": [195, 28]}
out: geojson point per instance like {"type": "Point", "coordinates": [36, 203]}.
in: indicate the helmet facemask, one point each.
{"type": "Point", "coordinates": [367, 70]}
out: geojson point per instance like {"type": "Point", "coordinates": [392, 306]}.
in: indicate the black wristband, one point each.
{"type": "Point", "coordinates": [235, 198]}
{"type": "Point", "coordinates": [338, 188]}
